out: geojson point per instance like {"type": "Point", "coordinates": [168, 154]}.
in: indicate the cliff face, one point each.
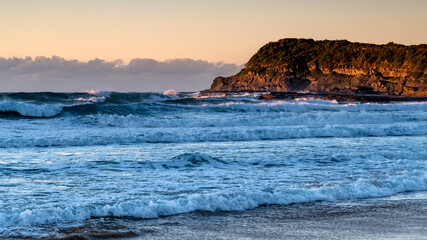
{"type": "Point", "coordinates": [332, 67]}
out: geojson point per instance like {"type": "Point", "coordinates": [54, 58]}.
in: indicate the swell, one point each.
{"type": "Point", "coordinates": [260, 119]}
{"type": "Point", "coordinates": [141, 104]}
{"type": "Point", "coordinates": [106, 136]}
{"type": "Point", "coordinates": [57, 97]}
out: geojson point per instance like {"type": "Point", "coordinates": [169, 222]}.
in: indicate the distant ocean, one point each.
{"type": "Point", "coordinates": [72, 161]}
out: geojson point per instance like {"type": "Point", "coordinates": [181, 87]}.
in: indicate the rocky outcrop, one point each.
{"type": "Point", "coordinates": [332, 67]}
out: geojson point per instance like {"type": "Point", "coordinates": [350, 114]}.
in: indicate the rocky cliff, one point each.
{"type": "Point", "coordinates": [332, 67]}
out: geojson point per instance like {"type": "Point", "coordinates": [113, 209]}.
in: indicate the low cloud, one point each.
{"type": "Point", "coordinates": [59, 74]}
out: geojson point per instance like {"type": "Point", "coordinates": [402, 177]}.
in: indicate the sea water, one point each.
{"type": "Point", "coordinates": [67, 159]}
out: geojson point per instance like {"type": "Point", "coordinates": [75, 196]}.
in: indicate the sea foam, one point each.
{"type": "Point", "coordinates": [147, 155]}
{"type": "Point", "coordinates": [222, 201]}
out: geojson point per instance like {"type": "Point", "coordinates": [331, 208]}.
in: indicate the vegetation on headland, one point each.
{"type": "Point", "coordinates": [306, 56]}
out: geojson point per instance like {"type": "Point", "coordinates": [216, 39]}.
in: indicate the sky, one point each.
{"type": "Point", "coordinates": [223, 34]}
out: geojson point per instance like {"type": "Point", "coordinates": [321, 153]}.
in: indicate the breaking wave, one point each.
{"type": "Point", "coordinates": [29, 109]}
{"type": "Point", "coordinates": [220, 201]}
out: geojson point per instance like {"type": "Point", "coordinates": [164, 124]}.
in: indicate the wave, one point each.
{"type": "Point", "coordinates": [193, 160]}
{"type": "Point", "coordinates": [153, 207]}
{"type": "Point", "coordinates": [277, 119]}
{"type": "Point", "coordinates": [29, 109]}
{"type": "Point", "coordinates": [188, 160]}
{"type": "Point", "coordinates": [74, 104]}
{"type": "Point", "coordinates": [98, 105]}
{"type": "Point", "coordinates": [105, 136]}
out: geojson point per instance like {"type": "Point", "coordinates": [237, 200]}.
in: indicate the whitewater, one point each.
{"type": "Point", "coordinates": [70, 159]}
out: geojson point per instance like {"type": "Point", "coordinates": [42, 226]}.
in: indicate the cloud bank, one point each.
{"type": "Point", "coordinates": [58, 74]}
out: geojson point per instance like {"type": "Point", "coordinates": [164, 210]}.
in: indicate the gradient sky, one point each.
{"type": "Point", "coordinates": [217, 30]}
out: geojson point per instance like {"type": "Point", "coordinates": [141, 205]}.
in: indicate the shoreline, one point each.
{"type": "Point", "coordinates": [363, 98]}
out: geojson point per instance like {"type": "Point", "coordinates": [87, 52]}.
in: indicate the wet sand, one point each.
{"type": "Point", "coordinates": [363, 219]}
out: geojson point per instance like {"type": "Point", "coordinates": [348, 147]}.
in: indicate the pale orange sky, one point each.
{"type": "Point", "coordinates": [220, 30]}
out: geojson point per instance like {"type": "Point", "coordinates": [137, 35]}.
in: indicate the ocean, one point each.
{"type": "Point", "coordinates": [135, 164]}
